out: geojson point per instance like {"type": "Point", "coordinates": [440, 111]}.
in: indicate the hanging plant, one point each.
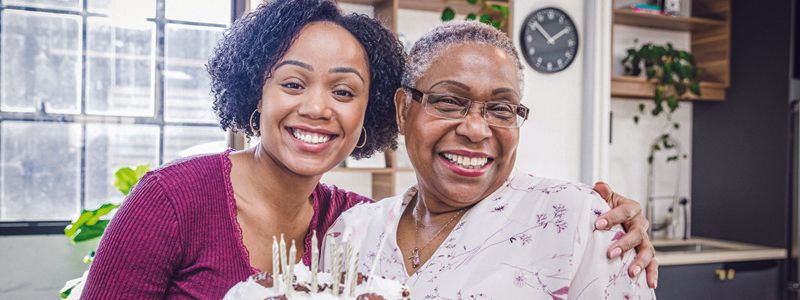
{"type": "Point", "coordinates": [492, 13]}
{"type": "Point", "coordinates": [674, 76]}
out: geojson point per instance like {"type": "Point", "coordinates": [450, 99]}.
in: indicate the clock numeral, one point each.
{"type": "Point", "coordinates": [567, 54]}
{"type": "Point", "coordinates": [531, 51]}
{"type": "Point", "coordinates": [549, 66]}
{"type": "Point", "coordinates": [570, 42]}
{"type": "Point", "coordinates": [561, 20]}
{"type": "Point", "coordinates": [529, 38]}
{"type": "Point", "coordinates": [560, 62]}
{"type": "Point", "coordinates": [551, 15]}
{"type": "Point", "coordinates": [540, 18]}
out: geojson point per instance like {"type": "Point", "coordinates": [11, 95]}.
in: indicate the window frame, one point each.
{"type": "Point", "coordinates": [238, 8]}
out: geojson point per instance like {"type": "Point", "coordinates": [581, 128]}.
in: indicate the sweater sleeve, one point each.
{"type": "Point", "coordinates": [140, 249]}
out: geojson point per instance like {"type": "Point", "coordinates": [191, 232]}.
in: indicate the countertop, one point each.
{"type": "Point", "coordinates": [717, 251]}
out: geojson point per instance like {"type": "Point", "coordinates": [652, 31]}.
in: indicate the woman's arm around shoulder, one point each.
{"type": "Point", "coordinates": [140, 249]}
{"type": "Point", "coordinates": [597, 276]}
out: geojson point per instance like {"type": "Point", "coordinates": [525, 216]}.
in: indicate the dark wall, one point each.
{"type": "Point", "coordinates": [739, 164]}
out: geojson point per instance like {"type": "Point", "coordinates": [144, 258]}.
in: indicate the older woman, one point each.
{"type": "Point", "coordinates": [471, 228]}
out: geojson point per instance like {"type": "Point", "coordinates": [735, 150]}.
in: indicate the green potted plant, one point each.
{"type": "Point", "coordinates": [91, 224]}
{"type": "Point", "coordinates": [495, 14]}
{"type": "Point", "coordinates": [674, 75]}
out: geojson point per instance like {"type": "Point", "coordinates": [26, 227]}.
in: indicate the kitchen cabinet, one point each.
{"type": "Point", "coordinates": [730, 281]}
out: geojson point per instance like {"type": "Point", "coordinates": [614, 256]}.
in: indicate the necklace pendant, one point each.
{"type": "Point", "coordinates": [415, 258]}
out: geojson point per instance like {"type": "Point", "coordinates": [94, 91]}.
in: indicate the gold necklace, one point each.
{"type": "Point", "coordinates": [415, 254]}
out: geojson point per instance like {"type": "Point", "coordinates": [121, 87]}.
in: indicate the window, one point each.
{"type": "Point", "coordinates": [88, 86]}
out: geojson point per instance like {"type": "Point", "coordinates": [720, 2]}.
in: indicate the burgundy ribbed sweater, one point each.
{"type": "Point", "coordinates": [176, 235]}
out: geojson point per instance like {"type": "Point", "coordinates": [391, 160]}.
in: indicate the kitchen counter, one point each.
{"type": "Point", "coordinates": [703, 250]}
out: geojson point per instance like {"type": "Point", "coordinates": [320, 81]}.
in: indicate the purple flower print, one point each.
{"type": "Point", "coordinates": [519, 279]}
{"type": "Point", "coordinates": [558, 218]}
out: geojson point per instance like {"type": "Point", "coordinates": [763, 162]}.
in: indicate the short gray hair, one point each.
{"type": "Point", "coordinates": [441, 38]}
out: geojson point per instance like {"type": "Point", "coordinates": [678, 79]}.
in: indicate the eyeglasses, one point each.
{"type": "Point", "coordinates": [496, 113]}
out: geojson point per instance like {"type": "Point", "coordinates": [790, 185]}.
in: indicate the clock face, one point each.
{"type": "Point", "coordinates": [549, 40]}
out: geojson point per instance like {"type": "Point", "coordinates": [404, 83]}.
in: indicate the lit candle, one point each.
{"type": "Point", "coordinates": [350, 273]}
{"type": "Point", "coordinates": [276, 261]}
{"type": "Point", "coordinates": [283, 260]}
{"type": "Point", "coordinates": [290, 274]}
{"type": "Point", "coordinates": [354, 274]}
{"type": "Point", "coordinates": [336, 267]}
{"type": "Point", "coordinates": [314, 261]}
{"type": "Point", "coordinates": [330, 257]}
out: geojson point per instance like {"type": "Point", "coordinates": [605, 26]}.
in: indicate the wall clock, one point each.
{"type": "Point", "coordinates": [549, 40]}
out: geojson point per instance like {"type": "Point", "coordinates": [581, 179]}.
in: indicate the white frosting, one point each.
{"type": "Point", "coordinates": [250, 289]}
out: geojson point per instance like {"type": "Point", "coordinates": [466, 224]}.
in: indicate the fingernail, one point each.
{"type": "Point", "coordinates": [637, 270]}
{"type": "Point", "coordinates": [601, 224]}
{"type": "Point", "coordinates": [616, 252]}
{"type": "Point", "coordinates": [655, 284]}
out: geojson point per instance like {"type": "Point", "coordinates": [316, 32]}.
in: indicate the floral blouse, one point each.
{"type": "Point", "coordinates": [533, 238]}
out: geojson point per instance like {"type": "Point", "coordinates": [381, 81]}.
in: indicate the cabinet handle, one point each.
{"type": "Point", "coordinates": [720, 274]}
{"type": "Point", "coordinates": [730, 274]}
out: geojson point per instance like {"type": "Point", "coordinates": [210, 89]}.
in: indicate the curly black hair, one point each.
{"type": "Point", "coordinates": [250, 48]}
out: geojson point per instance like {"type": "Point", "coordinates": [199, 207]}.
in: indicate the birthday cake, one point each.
{"type": "Point", "coordinates": [297, 281]}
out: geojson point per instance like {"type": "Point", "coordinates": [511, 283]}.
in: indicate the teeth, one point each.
{"type": "Point", "coordinates": [466, 162]}
{"type": "Point", "coordinates": [310, 137]}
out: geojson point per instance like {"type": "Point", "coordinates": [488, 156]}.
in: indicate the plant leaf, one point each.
{"type": "Point", "coordinates": [695, 87]}
{"type": "Point", "coordinates": [88, 225]}
{"type": "Point", "coordinates": [641, 107]}
{"type": "Point", "coordinates": [671, 158]}
{"type": "Point", "coordinates": [650, 159]}
{"type": "Point", "coordinates": [486, 19]}
{"type": "Point", "coordinates": [636, 119]}
{"type": "Point", "coordinates": [448, 14]}
{"type": "Point", "coordinates": [672, 103]}
{"type": "Point", "coordinates": [471, 17]}
{"type": "Point", "coordinates": [473, 2]}
{"type": "Point", "coordinates": [126, 177]}
{"type": "Point", "coordinates": [89, 258]}
{"type": "Point", "coordinates": [676, 126]}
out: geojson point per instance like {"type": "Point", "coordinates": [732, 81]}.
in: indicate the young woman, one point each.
{"type": "Point", "coordinates": [315, 86]}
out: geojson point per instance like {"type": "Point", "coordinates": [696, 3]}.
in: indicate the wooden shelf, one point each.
{"type": "Point", "coordinates": [628, 17]}
{"type": "Point", "coordinates": [638, 88]}
{"type": "Point", "coordinates": [460, 6]}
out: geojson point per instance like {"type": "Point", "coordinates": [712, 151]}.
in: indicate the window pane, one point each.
{"type": "Point", "coordinates": [119, 74]}
{"type": "Point", "coordinates": [76, 5]}
{"type": "Point", "coordinates": [187, 85]}
{"type": "Point", "coordinates": [255, 3]}
{"type": "Point", "coordinates": [182, 141]}
{"type": "Point", "coordinates": [40, 170]}
{"type": "Point", "coordinates": [109, 147]}
{"type": "Point", "coordinates": [41, 62]}
{"type": "Point", "coordinates": [127, 9]}
{"type": "Point", "coordinates": [207, 11]}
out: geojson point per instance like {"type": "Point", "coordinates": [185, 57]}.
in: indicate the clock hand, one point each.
{"type": "Point", "coordinates": [541, 30]}
{"type": "Point", "coordinates": [558, 35]}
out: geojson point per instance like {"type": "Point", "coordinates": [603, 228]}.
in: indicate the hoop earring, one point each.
{"type": "Point", "coordinates": [253, 128]}
{"type": "Point", "coordinates": [364, 143]}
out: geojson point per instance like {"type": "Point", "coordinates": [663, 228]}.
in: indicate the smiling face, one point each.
{"type": "Point", "coordinates": [312, 107]}
{"type": "Point", "coordinates": [460, 162]}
